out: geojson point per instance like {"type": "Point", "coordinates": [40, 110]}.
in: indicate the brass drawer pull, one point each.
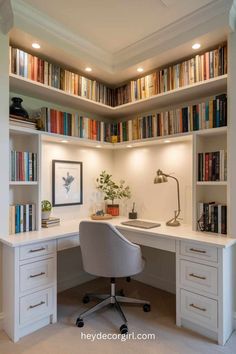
{"type": "Point", "coordinates": [38, 250]}
{"type": "Point", "coordinates": [197, 276]}
{"type": "Point", "coordinates": [39, 304]}
{"type": "Point", "coordinates": [196, 250]}
{"type": "Point", "coordinates": [197, 307]}
{"type": "Point", "coordinates": [37, 275]}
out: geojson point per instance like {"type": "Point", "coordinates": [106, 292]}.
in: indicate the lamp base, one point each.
{"type": "Point", "coordinates": [173, 222]}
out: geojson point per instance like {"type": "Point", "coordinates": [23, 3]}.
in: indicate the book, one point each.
{"type": "Point", "coordinates": [22, 218]}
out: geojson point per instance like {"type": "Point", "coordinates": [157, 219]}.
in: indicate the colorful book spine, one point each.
{"type": "Point", "coordinates": [212, 166]}
{"type": "Point", "coordinates": [199, 68]}
{"type": "Point", "coordinates": [23, 166]}
{"type": "Point", "coordinates": [22, 218]}
{"type": "Point", "coordinates": [212, 217]}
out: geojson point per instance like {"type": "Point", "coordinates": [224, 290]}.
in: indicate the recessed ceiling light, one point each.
{"type": "Point", "coordinates": [167, 141]}
{"type": "Point", "coordinates": [64, 141]}
{"type": "Point", "coordinates": [129, 146]}
{"type": "Point", "coordinates": [88, 69]}
{"type": "Point", "coordinates": [196, 46]}
{"type": "Point", "coordinates": [98, 146]}
{"type": "Point", "coordinates": [36, 45]}
{"type": "Point", "coordinates": [140, 70]}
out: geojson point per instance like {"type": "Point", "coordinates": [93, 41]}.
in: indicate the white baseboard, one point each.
{"type": "Point", "coordinates": [1, 320]}
{"type": "Point", "coordinates": [72, 281]}
{"type": "Point", "coordinates": [156, 282]}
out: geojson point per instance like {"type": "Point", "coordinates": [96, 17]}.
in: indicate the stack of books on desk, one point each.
{"type": "Point", "coordinates": [50, 222]}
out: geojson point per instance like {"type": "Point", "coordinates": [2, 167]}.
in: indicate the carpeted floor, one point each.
{"type": "Point", "coordinates": [65, 338]}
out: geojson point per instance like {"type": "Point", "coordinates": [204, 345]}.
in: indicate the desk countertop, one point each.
{"type": "Point", "coordinates": [70, 228]}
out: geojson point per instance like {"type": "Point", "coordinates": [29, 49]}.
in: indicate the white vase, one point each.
{"type": "Point", "coordinates": [46, 215]}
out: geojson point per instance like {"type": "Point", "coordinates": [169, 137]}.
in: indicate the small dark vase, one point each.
{"type": "Point", "coordinates": [16, 108]}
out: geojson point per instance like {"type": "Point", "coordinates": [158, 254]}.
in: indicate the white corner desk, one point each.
{"type": "Point", "coordinates": [204, 276]}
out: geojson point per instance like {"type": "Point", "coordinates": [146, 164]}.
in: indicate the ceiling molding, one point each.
{"type": "Point", "coordinates": [6, 16]}
{"type": "Point", "coordinates": [217, 14]}
{"type": "Point", "coordinates": [203, 20]}
{"type": "Point", "coordinates": [28, 17]}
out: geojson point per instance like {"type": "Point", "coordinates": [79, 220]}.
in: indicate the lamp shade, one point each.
{"type": "Point", "coordinates": [160, 177]}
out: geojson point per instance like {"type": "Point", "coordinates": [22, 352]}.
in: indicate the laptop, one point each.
{"type": "Point", "coordinates": [141, 224]}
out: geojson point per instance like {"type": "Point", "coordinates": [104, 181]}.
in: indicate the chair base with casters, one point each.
{"type": "Point", "coordinates": [114, 300]}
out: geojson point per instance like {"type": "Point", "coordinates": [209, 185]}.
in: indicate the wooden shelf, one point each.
{"type": "Point", "coordinates": [23, 183]}
{"type": "Point", "coordinates": [212, 183]}
{"type": "Point", "coordinates": [198, 90]}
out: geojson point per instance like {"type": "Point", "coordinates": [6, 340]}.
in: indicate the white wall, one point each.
{"type": "Point", "coordinates": [138, 166]}
{"type": "Point", "coordinates": [94, 161]}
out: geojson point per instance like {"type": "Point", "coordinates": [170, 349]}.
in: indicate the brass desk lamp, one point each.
{"type": "Point", "coordinates": [162, 177]}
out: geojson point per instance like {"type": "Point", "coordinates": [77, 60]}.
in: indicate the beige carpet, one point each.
{"type": "Point", "coordinates": [65, 338]}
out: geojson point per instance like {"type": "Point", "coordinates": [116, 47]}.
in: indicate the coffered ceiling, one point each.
{"type": "Point", "coordinates": [115, 37]}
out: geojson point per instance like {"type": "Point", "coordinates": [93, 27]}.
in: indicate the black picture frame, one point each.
{"type": "Point", "coordinates": [67, 183]}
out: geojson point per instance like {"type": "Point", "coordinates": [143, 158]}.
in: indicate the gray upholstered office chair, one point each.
{"type": "Point", "coordinates": [106, 253]}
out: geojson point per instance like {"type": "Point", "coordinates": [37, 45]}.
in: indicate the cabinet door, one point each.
{"type": "Point", "coordinates": [198, 276]}
{"type": "Point", "coordinates": [36, 274]}
{"type": "Point", "coordinates": [35, 306]}
{"type": "Point", "coordinates": [199, 309]}
{"type": "Point", "coordinates": [37, 249]}
{"type": "Point", "coordinates": [199, 250]}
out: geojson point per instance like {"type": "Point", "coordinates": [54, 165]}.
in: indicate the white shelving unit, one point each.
{"type": "Point", "coordinates": [208, 191]}
{"type": "Point", "coordinates": [202, 140]}
{"type": "Point", "coordinates": [23, 139]}
{"type": "Point", "coordinates": [198, 90]}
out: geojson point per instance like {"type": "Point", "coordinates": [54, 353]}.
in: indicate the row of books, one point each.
{"type": "Point", "coordinates": [23, 166]}
{"type": "Point", "coordinates": [50, 222]}
{"type": "Point", "coordinates": [212, 166]}
{"type": "Point", "coordinates": [22, 218]}
{"type": "Point", "coordinates": [199, 68]}
{"type": "Point", "coordinates": [212, 217]}
{"type": "Point", "coordinates": [72, 124]}
{"type": "Point", "coordinates": [37, 69]}
{"type": "Point", "coordinates": [209, 114]}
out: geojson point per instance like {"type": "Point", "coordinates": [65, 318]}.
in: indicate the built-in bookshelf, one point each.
{"type": "Point", "coordinates": [212, 113]}
{"type": "Point", "coordinates": [210, 193]}
{"type": "Point", "coordinates": [201, 67]}
{"type": "Point", "coordinates": [24, 184]}
{"type": "Point", "coordinates": [203, 122]}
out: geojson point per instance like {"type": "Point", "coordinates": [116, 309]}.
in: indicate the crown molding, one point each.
{"type": "Point", "coordinates": [6, 16]}
{"type": "Point", "coordinates": [35, 22]}
{"type": "Point", "coordinates": [216, 15]}
{"type": "Point", "coordinates": [206, 19]}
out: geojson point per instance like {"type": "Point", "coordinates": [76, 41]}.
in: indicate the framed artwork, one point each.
{"type": "Point", "coordinates": [67, 183]}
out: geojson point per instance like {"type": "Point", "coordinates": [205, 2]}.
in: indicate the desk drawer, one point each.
{"type": "Point", "coordinates": [37, 274]}
{"type": "Point", "coordinates": [67, 242]}
{"type": "Point", "coordinates": [36, 306]}
{"type": "Point", "coordinates": [198, 276]}
{"type": "Point", "coordinates": [199, 251]}
{"type": "Point", "coordinates": [199, 309]}
{"type": "Point", "coordinates": [37, 249]}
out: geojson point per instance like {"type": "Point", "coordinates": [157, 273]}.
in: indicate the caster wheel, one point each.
{"type": "Point", "coordinates": [86, 299]}
{"type": "Point", "coordinates": [121, 292]}
{"type": "Point", "coordinates": [123, 329]}
{"type": "Point", "coordinates": [146, 308]}
{"type": "Point", "coordinates": [79, 322]}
